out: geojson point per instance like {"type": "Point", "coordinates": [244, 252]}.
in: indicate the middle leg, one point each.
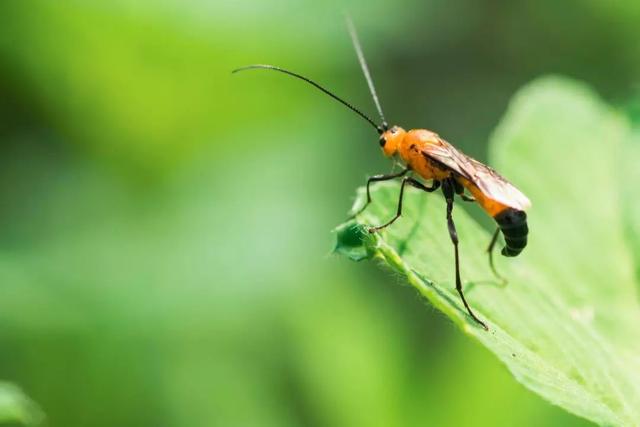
{"type": "Point", "coordinates": [448, 190]}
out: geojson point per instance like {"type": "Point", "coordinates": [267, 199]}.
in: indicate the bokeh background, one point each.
{"type": "Point", "coordinates": [165, 226]}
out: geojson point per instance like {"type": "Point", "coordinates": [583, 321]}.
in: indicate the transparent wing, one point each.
{"type": "Point", "coordinates": [445, 154]}
{"type": "Point", "coordinates": [490, 182]}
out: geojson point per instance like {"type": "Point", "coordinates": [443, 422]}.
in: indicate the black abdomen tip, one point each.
{"type": "Point", "coordinates": [513, 224]}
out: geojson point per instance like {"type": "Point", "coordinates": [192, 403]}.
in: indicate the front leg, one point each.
{"type": "Point", "coordinates": [415, 183]}
{"type": "Point", "coordinates": [378, 178]}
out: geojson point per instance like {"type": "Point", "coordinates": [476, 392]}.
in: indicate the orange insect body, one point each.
{"type": "Point", "coordinates": [434, 159]}
{"type": "Point", "coordinates": [413, 147]}
{"type": "Point", "coordinates": [489, 205]}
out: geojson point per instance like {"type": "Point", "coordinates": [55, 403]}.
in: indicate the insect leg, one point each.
{"type": "Point", "coordinates": [414, 183]}
{"type": "Point", "coordinates": [447, 189]}
{"type": "Point", "coordinates": [398, 212]}
{"type": "Point", "coordinates": [377, 178]}
{"type": "Point", "coordinates": [417, 184]}
{"type": "Point", "coordinates": [460, 192]}
{"type": "Point", "coordinates": [494, 239]}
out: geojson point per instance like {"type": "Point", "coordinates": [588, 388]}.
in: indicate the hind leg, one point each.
{"type": "Point", "coordinates": [494, 239]}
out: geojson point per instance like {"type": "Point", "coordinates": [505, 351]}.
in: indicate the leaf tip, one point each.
{"type": "Point", "coordinates": [352, 241]}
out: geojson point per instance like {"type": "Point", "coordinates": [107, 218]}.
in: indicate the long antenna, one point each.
{"type": "Point", "coordinates": [378, 128]}
{"type": "Point", "coordinates": [365, 68]}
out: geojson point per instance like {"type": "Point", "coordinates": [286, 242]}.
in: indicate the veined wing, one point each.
{"type": "Point", "coordinates": [490, 182]}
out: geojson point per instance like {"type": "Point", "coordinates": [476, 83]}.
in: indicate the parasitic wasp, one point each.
{"type": "Point", "coordinates": [425, 154]}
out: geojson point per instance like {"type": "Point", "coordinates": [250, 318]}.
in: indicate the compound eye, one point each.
{"type": "Point", "coordinates": [382, 142]}
{"type": "Point", "coordinates": [394, 130]}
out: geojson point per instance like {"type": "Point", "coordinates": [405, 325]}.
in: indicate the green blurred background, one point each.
{"type": "Point", "coordinates": [164, 226]}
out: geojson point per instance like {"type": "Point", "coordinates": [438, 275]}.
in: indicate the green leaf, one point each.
{"type": "Point", "coordinates": [16, 407]}
{"type": "Point", "coordinates": [568, 323]}
{"type": "Point", "coordinates": [631, 185]}
{"type": "Point", "coordinates": [350, 239]}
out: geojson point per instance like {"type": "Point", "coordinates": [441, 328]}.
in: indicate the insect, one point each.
{"type": "Point", "coordinates": [425, 154]}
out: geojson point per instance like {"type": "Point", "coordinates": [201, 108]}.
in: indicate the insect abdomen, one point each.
{"type": "Point", "coordinates": [513, 224]}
